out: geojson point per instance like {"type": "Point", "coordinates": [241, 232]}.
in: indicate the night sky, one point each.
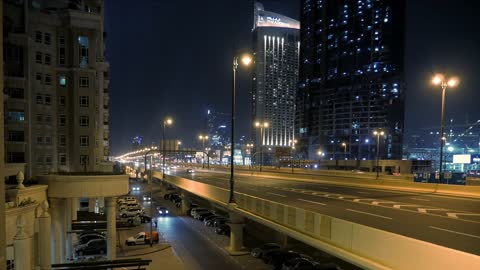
{"type": "Point", "coordinates": [174, 58]}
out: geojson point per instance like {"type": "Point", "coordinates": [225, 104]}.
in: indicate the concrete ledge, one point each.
{"type": "Point", "coordinates": [90, 186]}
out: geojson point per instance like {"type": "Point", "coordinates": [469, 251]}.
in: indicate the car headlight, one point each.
{"type": "Point", "coordinates": [166, 211]}
{"type": "Point", "coordinates": [161, 212]}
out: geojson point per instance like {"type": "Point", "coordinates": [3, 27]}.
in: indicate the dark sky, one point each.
{"type": "Point", "coordinates": [174, 58]}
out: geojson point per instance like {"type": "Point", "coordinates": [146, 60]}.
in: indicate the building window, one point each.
{"type": "Point", "coordinates": [83, 140]}
{"type": "Point", "coordinates": [63, 120]}
{"type": "Point", "coordinates": [61, 40]}
{"type": "Point", "coordinates": [48, 160]}
{"type": "Point", "coordinates": [48, 119]}
{"type": "Point", "coordinates": [84, 121]}
{"type": "Point", "coordinates": [15, 157]}
{"type": "Point", "coordinates": [48, 79]}
{"type": "Point", "coordinates": [17, 93]}
{"type": "Point", "coordinates": [38, 57]}
{"type": "Point", "coordinates": [62, 80]}
{"type": "Point", "coordinates": [61, 100]}
{"type": "Point", "coordinates": [48, 99]}
{"type": "Point", "coordinates": [83, 100]}
{"type": "Point", "coordinates": [48, 140]}
{"type": "Point", "coordinates": [48, 59]}
{"type": "Point", "coordinates": [13, 53]}
{"type": "Point", "coordinates": [16, 115]}
{"type": "Point", "coordinates": [83, 159]}
{"type": "Point", "coordinates": [39, 99]}
{"type": "Point", "coordinates": [38, 76]}
{"type": "Point", "coordinates": [48, 38]}
{"type": "Point", "coordinates": [84, 82]}
{"type": "Point", "coordinates": [39, 118]}
{"type": "Point", "coordinates": [62, 140]}
{"type": "Point", "coordinates": [39, 140]}
{"type": "Point", "coordinates": [38, 36]}
{"type": "Point", "coordinates": [39, 160]}
{"type": "Point", "coordinates": [61, 57]}
{"type": "Point", "coordinates": [83, 51]}
{"type": "Point", "coordinates": [15, 136]}
{"type": "Point", "coordinates": [62, 159]}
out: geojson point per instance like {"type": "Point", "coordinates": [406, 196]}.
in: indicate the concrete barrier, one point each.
{"type": "Point", "coordinates": [361, 245]}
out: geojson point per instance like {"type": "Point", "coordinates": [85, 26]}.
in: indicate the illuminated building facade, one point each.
{"type": "Point", "coordinates": [275, 77]}
{"type": "Point", "coordinates": [351, 78]}
{"type": "Point", "coordinates": [217, 129]}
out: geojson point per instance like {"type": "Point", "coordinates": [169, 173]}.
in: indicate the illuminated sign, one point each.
{"type": "Point", "coordinates": [462, 159]}
{"type": "Point", "coordinates": [270, 19]}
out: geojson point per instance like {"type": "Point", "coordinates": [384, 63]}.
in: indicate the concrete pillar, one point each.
{"type": "Point", "coordinates": [91, 204]}
{"type": "Point", "coordinates": [75, 207]}
{"type": "Point", "coordinates": [58, 211]}
{"type": "Point", "coordinates": [22, 246]}
{"type": "Point", "coordinates": [184, 204]}
{"type": "Point", "coordinates": [110, 210]}
{"type": "Point", "coordinates": [236, 223]}
{"type": "Point", "coordinates": [68, 229]}
{"type": "Point", "coordinates": [44, 238]}
{"type": "Point", "coordinates": [100, 205]}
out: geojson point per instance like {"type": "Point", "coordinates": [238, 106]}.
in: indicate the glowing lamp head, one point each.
{"type": "Point", "coordinates": [438, 79]}
{"type": "Point", "coordinates": [246, 59]}
{"type": "Point", "coordinates": [453, 82]}
{"type": "Point", "coordinates": [344, 144]}
{"type": "Point", "coordinates": [265, 124]}
{"type": "Point", "coordinates": [168, 121]}
{"type": "Point", "coordinates": [257, 124]}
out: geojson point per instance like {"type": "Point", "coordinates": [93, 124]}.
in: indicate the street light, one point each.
{"type": "Point", "coordinates": [378, 134]}
{"type": "Point", "coordinates": [320, 154]}
{"type": "Point", "coordinates": [439, 79]}
{"type": "Point", "coordinates": [203, 138]}
{"type": "Point", "coordinates": [262, 133]}
{"type": "Point", "coordinates": [246, 60]}
{"type": "Point", "coordinates": [292, 143]}
{"type": "Point", "coordinates": [166, 122]}
{"type": "Point", "coordinates": [345, 153]}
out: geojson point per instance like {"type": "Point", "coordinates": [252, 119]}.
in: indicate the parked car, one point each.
{"type": "Point", "coordinates": [175, 198]}
{"type": "Point", "coordinates": [259, 251]}
{"type": "Point", "coordinates": [202, 217]}
{"type": "Point", "coordinates": [190, 170]}
{"type": "Point", "coordinates": [145, 218]}
{"type": "Point", "coordinates": [163, 211]}
{"type": "Point", "coordinates": [142, 238]}
{"type": "Point", "coordinates": [299, 263]}
{"type": "Point", "coordinates": [168, 195]}
{"type": "Point", "coordinates": [197, 214]}
{"type": "Point", "coordinates": [83, 239]}
{"type": "Point", "coordinates": [223, 229]}
{"type": "Point", "coordinates": [178, 204]}
{"type": "Point", "coordinates": [278, 257]}
{"type": "Point", "coordinates": [93, 247]}
{"type": "Point", "coordinates": [219, 222]}
{"type": "Point", "coordinates": [124, 213]}
{"type": "Point", "coordinates": [211, 221]}
{"type": "Point", "coordinates": [210, 218]}
{"type": "Point", "coordinates": [195, 209]}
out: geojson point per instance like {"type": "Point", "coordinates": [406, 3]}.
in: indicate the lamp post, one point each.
{"type": "Point", "coordinates": [166, 122]}
{"type": "Point", "coordinates": [246, 59]}
{"type": "Point", "coordinates": [150, 150]}
{"type": "Point", "coordinates": [345, 154]}
{"type": "Point", "coordinates": [249, 151]}
{"type": "Point", "coordinates": [320, 155]}
{"type": "Point", "coordinates": [378, 134]}
{"type": "Point", "coordinates": [262, 126]}
{"type": "Point", "coordinates": [439, 79]}
{"type": "Point", "coordinates": [292, 143]}
{"type": "Point", "coordinates": [203, 138]}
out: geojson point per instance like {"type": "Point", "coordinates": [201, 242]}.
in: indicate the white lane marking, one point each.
{"type": "Point", "coordinates": [424, 210]}
{"type": "Point", "coordinates": [276, 194]}
{"type": "Point", "coordinates": [366, 213]}
{"type": "Point", "coordinates": [363, 192]}
{"type": "Point", "coordinates": [251, 189]}
{"type": "Point", "coordinates": [455, 215]}
{"type": "Point", "coordinates": [418, 199]}
{"type": "Point", "coordinates": [398, 206]}
{"type": "Point", "coordinates": [311, 201]}
{"type": "Point", "coordinates": [466, 234]}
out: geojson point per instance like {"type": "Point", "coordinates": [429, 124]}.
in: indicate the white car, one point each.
{"type": "Point", "coordinates": [124, 213]}
{"type": "Point", "coordinates": [136, 188]}
{"type": "Point", "coordinates": [146, 198]}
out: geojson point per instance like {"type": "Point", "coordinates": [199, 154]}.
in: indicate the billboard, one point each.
{"type": "Point", "coordinates": [462, 159]}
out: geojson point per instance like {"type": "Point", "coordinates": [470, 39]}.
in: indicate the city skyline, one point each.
{"type": "Point", "coordinates": [422, 102]}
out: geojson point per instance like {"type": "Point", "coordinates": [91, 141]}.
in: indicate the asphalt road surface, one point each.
{"type": "Point", "coordinates": [452, 222]}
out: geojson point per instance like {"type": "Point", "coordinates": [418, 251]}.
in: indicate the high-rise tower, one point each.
{"type": "Point", "coordinates": [351, 78]}
{"type": "Point", "coordinates": [275, 77]}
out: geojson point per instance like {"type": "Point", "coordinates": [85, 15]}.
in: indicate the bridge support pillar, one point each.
{"type": "Point", "coordinates": [110, 204]}
{"type": "Point", "coordinates": [68, 229]}
{"type": "Point", "coordinates": [184, 203]}
{"type": "Point", "coordinates": [236, 223]}
{"type": "Point", "coordinates": [58, 224]}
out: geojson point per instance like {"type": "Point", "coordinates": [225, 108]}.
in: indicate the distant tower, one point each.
{"type": "Point", "coordinates": [275, 77]}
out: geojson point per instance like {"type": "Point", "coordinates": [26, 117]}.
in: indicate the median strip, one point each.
{"type": "Point", "coordinates": [466, 234]}
{"type": "Point", "coordinates": [366, 213]}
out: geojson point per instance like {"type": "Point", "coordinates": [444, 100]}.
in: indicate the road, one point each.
{"type": "Point", "coordinates": [452, 222]}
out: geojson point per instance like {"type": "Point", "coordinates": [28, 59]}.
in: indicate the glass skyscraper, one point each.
{"type": "Point", "coordinates": [275, 77]}
{"type": "Point", "coordinates": [351, 78]}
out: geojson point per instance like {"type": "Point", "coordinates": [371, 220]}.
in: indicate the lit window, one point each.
{"type": "Point", "coordinates": [83, 51]}
{"type": "Point", "coordinates": [62, 80]}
